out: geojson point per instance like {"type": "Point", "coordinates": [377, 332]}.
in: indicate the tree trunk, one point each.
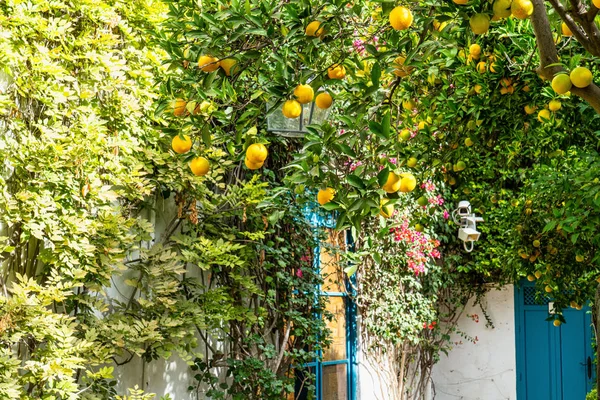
{"type": "Point", "coordinates": [549, 55]}
{"type": "Point", "coordinates": [595, 320]}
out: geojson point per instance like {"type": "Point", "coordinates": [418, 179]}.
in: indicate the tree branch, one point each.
{"type": "Point", "coordinates": [549, 55]}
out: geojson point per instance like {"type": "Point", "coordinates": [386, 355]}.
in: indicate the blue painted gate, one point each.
{"type": "Point", "coordinates": [553, 363]}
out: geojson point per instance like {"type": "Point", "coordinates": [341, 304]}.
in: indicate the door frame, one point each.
{"type": "Point", "coordinates": [520, 356]}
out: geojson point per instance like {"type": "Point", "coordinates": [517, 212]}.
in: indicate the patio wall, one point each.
{"type": "Point", "coordinates": [486, 369]}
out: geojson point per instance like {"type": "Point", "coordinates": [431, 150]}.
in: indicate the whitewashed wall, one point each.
{"type": "Point", "coordinates": [484, 370]}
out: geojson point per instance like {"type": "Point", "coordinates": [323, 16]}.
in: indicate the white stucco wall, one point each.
{"type": "Point", "coordinates": [484, 370]}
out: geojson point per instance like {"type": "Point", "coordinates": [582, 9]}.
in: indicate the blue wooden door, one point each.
{"type": "Point", "coordinates": [553, 363]}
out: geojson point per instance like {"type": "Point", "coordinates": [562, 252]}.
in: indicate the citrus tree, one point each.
{"type": "Point", "coordinates": [87, 283]}
{"type": "Point", "coordinates": [430, 104]}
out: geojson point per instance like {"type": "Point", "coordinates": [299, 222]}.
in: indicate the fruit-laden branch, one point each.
{"type": "Point", "coordinates": [549, 55]}
{"type": "Point", "coordinates": [586, 33]}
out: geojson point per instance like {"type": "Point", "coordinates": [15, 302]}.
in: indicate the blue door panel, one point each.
{"type": "Point", "coordinates": [538, 359]}
{"type": "Point", "coordinates": [551, 361]}
{"type": "Point", "coordinates": [575, 346]}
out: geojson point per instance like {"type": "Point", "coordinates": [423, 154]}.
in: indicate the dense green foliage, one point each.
{"type": "Point", "coordinates": [86, 177]}
{"type": "Point", "coordinates": [90, 106]}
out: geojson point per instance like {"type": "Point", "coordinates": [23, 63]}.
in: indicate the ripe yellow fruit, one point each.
{"type": "Point", "coordinates": [459, 166]}
{"type": "Point", "coordinates": [579, 258]}
{"type": "Point", "coordinates": [200, 166]}
{"type": "Point", "coordinates": [179, 109]}
{"type": "Point", "coordinates": [481, 67]}
{"type": "Point", "coordinates": [574, 304]}
{"type": "Point", "coordinates": [530, 278]}
{"type": "Point", "coordinates": [405, 135]}
{"type": "Point", "coordinates": [291, 109]}
{"type": "Point", "coordinates": [252, 165]}
{"type": "Point", "coordinates": [401, 18]}
{"type": "Point", "coordinates": [581, 77]}
{"type": "Point", "coordinates": [554, 105]}
{"type": "Point", "coordinates": [401, 70]}
{"type": "Point", "coordinates": [407, 182]}
{"type": "Point", "coordinates": [468, 142]}
{"type": "Point", "coordinates": [304, 94]}
{"type": "Point", "coordinates": [502, 8]}
{"type": "Point", "coordinates": [257, 153]}
{"type": "Point", "coordinates": [208, 63]}
{"type": "Point", "coordinates": [227, 65]}
{"type": "Point", "coordinates": [409, 105]}
{"type": "Point", "coordinates": [419, 228]}
{"type": "Point", "coordinates": [521, 9]}
{"type": "Point", "coordinates": [475, 51]}
{"type": "Point", "coordinates": [538, 274]}
{"type": "Point", "coordinates": [412, 162]}
{"type": "Point", "coordinates": [494, 67]}
{"type": "Point", "coordinates": [548, 289]}
{"type": "Point", "coordinates": [392, 185]}
{"type": "Point", "coordinates": [536, 243]}
{"type": "Point", "coordinates": [386, 210]}
{"type": "Point", "coordinates": [324, 100]}
{"type": "Point", "coordinates": [336, 72]}
{"type": "Point", "coordinates": [478, 88]}
{"type": "Point", "coordinates": [181, 146]}
{"type": "Point", "coordinates": [596, 3]}
{"type": "Point", "coordinates": [556, 323]}
{"type": "Point", "coordinates": [325, 195]}
{"type": "Point", "coordinates": [315, 29]}
{"type": "Point", "coordinates": [480, 23]}
{"type": "Point", "coordinates": [530, 109]}
{"type": "Point", "coordinates": [565, 30]}
{"type": "Point", "coordinates": [460, 2]}
{"type": "Point", "coordinates": [561, 83]}
{"type": "Point", "coordinates": [543, 115]}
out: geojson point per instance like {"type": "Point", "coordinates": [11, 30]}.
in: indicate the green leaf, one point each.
{"type": "Point", "coordinates": [375, 74]}
{"type": "Point", "coordinates": [351, 270]}
{"type": "Point", "coordinates": [382, 176]}
{"type": "Point", "coordinates": [355, 181]}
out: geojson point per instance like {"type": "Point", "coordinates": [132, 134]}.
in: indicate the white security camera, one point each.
{"type": "Point", "coordinates": [467, 232]}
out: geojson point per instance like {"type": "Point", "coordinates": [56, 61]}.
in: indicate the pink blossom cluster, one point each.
{"type": "Point", "coordinates": [420, 248]}
{"type": "Point", "coordinates": [359, 44]}
{"type": "Point", "coordinates": [428, 186]}
{"type": "Point", "coordinates": [353, 164]}
{"type": "Point", "coordinates": [437, 200]}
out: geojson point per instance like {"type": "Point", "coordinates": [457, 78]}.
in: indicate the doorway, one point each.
{"type": "Point", "coordinates": [553, 363]}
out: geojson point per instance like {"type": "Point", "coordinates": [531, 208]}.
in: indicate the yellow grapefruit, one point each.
{"type": "Point", "coordinates": [554, 105]}
{"type": "Point", "coordinates": [336, 72]}
{"type": "Point", "coordinates": [181, 146]}
{"type": "Point", "coordinates": [544, 116]}
{"type": "Point", "coordinates": [407, 182]}
{"type": "Point", "coordinates": [521, 9]}
{"type": "Point", "coordinates": [324, 100]}
{"type": "Point", "coordinates": [252, 165]}
{"type": "Point", "coordinates": [561, 83]}
{"type": "Point", "coordinates": [401, 18]}
{"type": "Point", "coordinates": [227, 65]}
{"type": "Point", "coordinates": [386, 210]}
{"type": "Point", "coordinates": [480, 23]}
{"type": "Point", "coordinates": [392, 185]}
{"type": "Point", "coordinates": [565, 30]}
{"type": "Point", "coordinates": [291, 109]}
{"type": "Point", "coordinates": [581, 77]}
{"type": "Point", "coordinates": [200, 166]}
{"type": "Point", "coordinates": [208, 63]}
{"type": "Point", "coordinates": [325, 195]}
{"type": "Point", "coordinates": [304, 94]}
{"type": "Point", "coordinates": [257, 153]}
{"type": "Point", "coordinates": [179, 109]}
